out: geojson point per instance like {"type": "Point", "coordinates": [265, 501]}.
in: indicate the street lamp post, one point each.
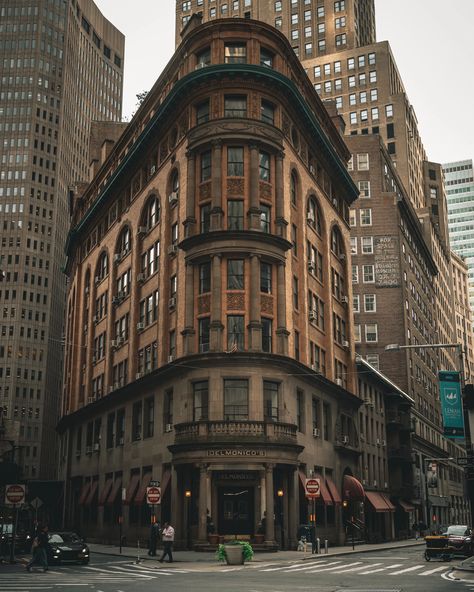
{"type": "Point", "coordinates": [187, 496]}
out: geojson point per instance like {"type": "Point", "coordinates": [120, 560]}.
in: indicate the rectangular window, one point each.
{"type": "Point", "coordinates": [205, 278]}
{"type": "Point", "coordinates": [368, 274]}
{"type": "Point", "coordinates": [326, 421]}
{"type": "Point", "coordinates": [168, 410]}
{"type": "Point", "coordinates": [235, 274]}
{"type": "Point", "coordinates": [204, 334]}
{"type": "Point", "coordinates": [200, 400]}
{"type": "Point", "coordinates": [270, 400]}
{"type": "Point", "coordinates": [110, 430]}
{"type": "Point", "coordinates": [389, 110]}
{"type": "Point", "coordinates": [235, 333]}
{"type": "Point", "coordinates": [235, 162]}
{"type": "Point", "coordinates": [149, 418]}
{"type": "Point", "coordinates": [353, 245]}
{"type": "Point", "coordinates": [351, 81]}
{"type": "Point", "coordinates": [265, 278]}
{"type": "Point", "coordinates": [265, 218]}
{"type": "Point", "coordinates": [235, 215]}
{"type": "Point", "coordinates": [268, 112]}
{"type": "Point", "coordinates": [205, 218]}
{"type": "Point", "coordinates": [315, 412]}
{"type": "Point", "coordinates": [367, 245]}
{"type": "Point", "coordinates": [363, 162]}
{"type": "Point", "coordinates": [351, 64]}
{"type": "Point", "coordinates": [357, 333]}
{"type": "Point", "coordinates": [371, 333]}
{"type": "Point", "coordinates": [355, 274]}
{"type": "Point", "coordinates": [235, 53]}
{"type": "Point", "coordinates": [317, 71]}
{"type": "Point", "coordinates": [203, 58]}
{"type": "Point", "coordinates": [266, 335]}
{"type": "Point", "coordinates": [137, 416]}
{"type": "Point", "coordinates": [355, 303]}
{"type": "Point", "coordinates": [235, 106]}
{"type": "Point", "coordinates": [202, 112]}
{"type": "Point", "coordinates": [266, 58]}
{"type": "Point", "coordinates": [364, 189]}
{"type": "Point", "coordinates": [236, 399]}
{"type": "Point", "coordinates": [370, 303]}
{"type": "Point", "coordinates": [206, 164]}
{"type": "Point", "coordinates": [264, 166]}
{"type": "Point", "coordinates": [300, 410]}
{"type": "Point", "coordinates": [120, 428]}
{"type": "Point", "coordinates": [374, 113]}
{"type": "Point", "coordinates": [295, 293]}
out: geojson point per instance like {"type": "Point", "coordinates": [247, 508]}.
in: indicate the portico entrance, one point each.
{"type": "Point", "coordinates": [236, 510]}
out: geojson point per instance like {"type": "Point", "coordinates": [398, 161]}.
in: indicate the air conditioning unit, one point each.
{"type": "Point", "coordinates": [140, 326]}
{"type": "Point", "coordinates": [120, 340]}
{"type": "Point", "coordinates": [120, 295]}
{"type": "Point", "coordinates": [173, 198]}
{"type": "Point", "coordinates": [117, 257]}
{"type": "Point", "coordinates": [96, 447]}
{"type": "Point", "coordinates": [200, 65]}
{"type": "Point", "coordinates": [312, 315]}
{"type": "Point", "coordinates": [384, 443]}
{"type": "Point", "coordinates": [339, 381]}
{"type": "Point", "coordinates": [170, 359]}
{"type": "Point", "coordinates": [97, 280]}
{"type": "Point", "coordinates": [377, 441]}
{"type": "Point", "coordinates": [310, 217]}
{"type": "Point", "coordinates": [168, 427]}
{"type": "Point", "coordinates": [114, 343]}
{"type": "Point", "coordinates": [121, 441]}
{"type": "Point", "coordinates": [344, 300]}
{"type": "Point", "coordinates": [345, 439]}
{"type": "Point", "coordinates": [311, 266]}
{"type": "Point", "coordinates": [116, 386]}
{"type": "Point", "coordinates": [153, 169]}
{"type": "Point", "coordinates": [368, 403]}
{"type": "Point", "coordinates": [111, 388]}
{"type": "Point", "coordinates": [342, 257]}
{"type": "Point", "coordinates": [88, 449]}
{"type": "Point", "coordinates": [142, 230]}
{"type": "Point", "coordinates": [138, 375]}
{"type": "Point", "coordinates": [364, 481]}
{"type": "Point", "coordinates": [362, 437]}
{"type": "Point", "coordinates": [316, 432]}
{"type": "Point", "coordinates": [172, 302]}
{"type": "Point", "coordinates": [345, 344]}
{"type": "Point", "coordinates": [172, 249]}
{"type": "Point", "coordinates": [334, 202]}
{"type": "Point", "coordinates": [141, 277]}
{"type": "Point", "coordinates": [375, 482]}
{"type": "Point", "coordinates": [83, 367]}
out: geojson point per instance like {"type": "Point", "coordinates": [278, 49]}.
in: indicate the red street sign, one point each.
{"type": "Point", "coordinates": [153, 495]}
{"type": "Point", "coordinates": [312, 488]}
{"type": "Point", "coordinates": [15, 494]}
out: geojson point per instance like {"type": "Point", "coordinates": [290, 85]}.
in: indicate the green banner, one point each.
{"type": "Point", "coordinates": [451, 404]}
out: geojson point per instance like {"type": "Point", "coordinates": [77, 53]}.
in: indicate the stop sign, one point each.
{"type": "Point", "coordinates": [153, 495]}
{"type": "Point", "coordinates": [313, 488]}
{"type": "Point", "coordinates": [15, 494]}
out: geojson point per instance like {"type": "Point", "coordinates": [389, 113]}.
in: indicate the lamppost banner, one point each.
{"type": "Point", "coordinates": [451, 404]}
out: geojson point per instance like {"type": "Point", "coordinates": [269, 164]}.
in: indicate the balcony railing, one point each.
{"type": "Point", "coordinates": [235, 432]}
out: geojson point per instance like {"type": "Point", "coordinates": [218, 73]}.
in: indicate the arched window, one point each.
{"type": "Point", "coordinates": [102, 267]}
{"type": "Point", "coordinates": [313, 215]}
{"type": "Point", "coordinates": [293, 188]}
{"type": "Point", "coordinates": [337, 243]}
{"type": "Point", "coordinates": [151, 214]}
{"type": "Point", "coordinates": [124, 243]}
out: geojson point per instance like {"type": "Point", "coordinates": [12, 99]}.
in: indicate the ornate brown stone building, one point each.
{"type": "Point", "coordinates": [208, 317]}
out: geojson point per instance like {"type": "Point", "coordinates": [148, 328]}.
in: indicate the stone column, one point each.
{"type": "Point", "coordinates": [202, 532]}
{"type": "Point", "coordinates": [216, 186]}
{"type": "Point", "coordinates": [281, 223]}
{"type": "Point", "coordinates": [285, 501]}
{"type": "Point", "coordinates": [293, 507]}
{"type": "Point", "coordinates": [255, 324]}
{"type": "Point", "coordinates": [254, 189]}
{"type": "Point", "coordinates": [177, 506]}
{"type": "Point", "coordinates": [270, 507]}
{"type": "Point", "coordinates": [190, 222]}
{"type": "Point", "coordinates": [282, 332]}
{"type": "Point", "coordinates": [216, 326]}
{"type": "Point", "coordinates": [189, 331]}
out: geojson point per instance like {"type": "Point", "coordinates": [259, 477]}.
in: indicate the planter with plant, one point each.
{"type": "Point", "coordinates": [235, 552]}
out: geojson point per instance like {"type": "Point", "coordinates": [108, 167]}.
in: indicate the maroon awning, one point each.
{"type": "Point", "coordinates": [386, 499]}
{"type": "Point", "coordinates": [165, 481]}
{"type": "Point", "coordinates": [406, 506]}
{"type": "Point", "coordinates": [92, 492]}
{"type": "Point", "coordinates": [377, 501]}
{"type": "Point", "coordinates": [84, 493]}
{"type": "Point", "coordinates": [104, 494]}
{"type": "Point", "coordinates": [353, 489]}
{"type": "Point", "coordinates": [113, 494]}
{"type": "Point", "coordinates": [333, 491]}
{"type": "Point", "coordinates": [132, 488]}
{"type": "Point", "coordinates": [327, 499]}
{"type": "Point", "coordinates": [141, 493]}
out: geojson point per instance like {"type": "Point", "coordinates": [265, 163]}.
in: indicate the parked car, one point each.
{"type": "Point", "coordinates": [460, 539]}
{"type": "Point", "coordinates": [23, 539]}
{"type": "Point", "coordinates": [67, 546]}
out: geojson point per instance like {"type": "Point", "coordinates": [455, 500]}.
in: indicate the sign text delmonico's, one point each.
{"type": "Point", "coordinates": [236, 452]}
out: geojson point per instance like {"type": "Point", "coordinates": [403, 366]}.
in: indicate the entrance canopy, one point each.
{"type": "Point", "coordinates": [353, 489]}
{"type": "Point", "coordinates": [379, 502]}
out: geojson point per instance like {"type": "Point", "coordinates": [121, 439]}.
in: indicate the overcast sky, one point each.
{"type": "Point", "coordinates": [431, 41]}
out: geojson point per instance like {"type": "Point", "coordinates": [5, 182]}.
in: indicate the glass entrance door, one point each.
{"type": "Point", "coordinates": [236, 510]}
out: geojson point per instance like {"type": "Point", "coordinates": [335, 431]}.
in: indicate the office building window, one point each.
{"type": "Point", "coordinates": [235, 162]}
{"type": "Point", "coordinates": [235, 399]}
{"type": "Point", "coordinates": [204, 334]}
{"type": "Point", "coordinates": [235, 215]}
{"type": "Point", "coordinates": [235, 106]}
{"type": "Point", "coordinates": [200, 400]}
{"type": "Point", "coordinates": [235, 274]}
{"type": "Point", "coordinates": [235, 53]}
{"type": "Point", "coordinates": [270, 400]}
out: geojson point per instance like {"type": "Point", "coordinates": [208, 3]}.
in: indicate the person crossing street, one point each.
{"type": "Point", "coordinates": [39, 548]}
{"type": "Point", "coordinates": [168, 537]}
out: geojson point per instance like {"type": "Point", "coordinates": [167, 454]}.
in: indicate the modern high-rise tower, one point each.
{"type": "Point", "coordinates": [61, 66]}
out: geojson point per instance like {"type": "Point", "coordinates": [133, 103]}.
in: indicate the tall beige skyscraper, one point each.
{"type": "Point", "coordinates": [61, 66]}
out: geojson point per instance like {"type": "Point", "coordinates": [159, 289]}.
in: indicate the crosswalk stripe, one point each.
{"type": "Point", "coordinates": [333, 568]}
{"type": "Point", "coordinates": [402, 571]}
{"type": "Point", "coordinates": [364, 573]}
{"type": "Point", "coordinates": [127, 570]}
{"type": "Point", "coordinates": [310, 566]}
{"type": "Point", "coordinates": [352, 570]}
{"type": "Point", "coordinates": [432, 571]}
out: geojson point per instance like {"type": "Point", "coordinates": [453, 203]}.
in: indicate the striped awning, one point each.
{"type": "Point", "coordinates": [84, 493]}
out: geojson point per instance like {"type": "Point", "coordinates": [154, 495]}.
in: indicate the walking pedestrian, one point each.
{"type": "Point", "coordinates": [39, 549]}
{"type": "Point", "coordinates": [154, 536]}
{"type": "Point", "coordinates": [168, 537]}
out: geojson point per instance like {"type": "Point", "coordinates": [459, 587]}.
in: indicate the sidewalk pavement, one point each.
{"type": "Point", "coordinates": [191, 558]}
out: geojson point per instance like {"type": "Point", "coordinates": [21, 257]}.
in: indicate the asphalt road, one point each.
{"type": "Point", "coordinates": [401, 570]}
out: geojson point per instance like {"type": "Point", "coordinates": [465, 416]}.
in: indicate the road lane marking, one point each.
{"type": "Point", "coordinates": [310, 566]}
{"type": "Point", "coordinates": [432, 571]}
{"type": "Point", "coordinates": [357, 568]}
{"type": "Point", "coordinates": [364, 573]}
{"type": "Point", "coordinates": [334, 568]}
{"type": "Point", "coordinates": [402, 571]}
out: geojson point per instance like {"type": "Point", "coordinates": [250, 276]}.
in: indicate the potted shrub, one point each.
{"type": "Point", "coordinates": [235, 553]}
{"type": "Point", "coordinates": [213, 539]}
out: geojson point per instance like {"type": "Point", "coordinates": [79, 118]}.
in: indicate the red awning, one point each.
{"type": "Point", "coordinates": [105, 491]}
{"type": "Point", "coordinates": [141, 493]}
{"type": "Point", "coordinates": [386, 499]}
{"type": "Point", "coordinates": [165, 481]}
{"type": "Point", "coordinates": [406, 506]}
{"type": "Point", "coordinates": [113, 494]}
{"type": "Point", "coordinates": [132, 488]}
{"type": "Point", "coordinates": [92, 492]}
{"type": "Point", "coordinates": [333, 491]}
{"type": "Point", "coordinates": [84, 493]}
{"type": "Point", "coordinates": [377, 501]}
{"type": "Point", "coordinates": [327, 499]}
{"type": "Point", "coordinates": [353, 489]}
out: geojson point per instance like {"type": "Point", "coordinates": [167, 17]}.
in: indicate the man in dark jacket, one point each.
{"type": "Point", "coordinates": [154, 536]}
{"type": "Point", "coordinates": [39, 549]}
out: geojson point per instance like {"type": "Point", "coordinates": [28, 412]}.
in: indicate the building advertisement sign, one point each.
{"type": "Point", "coordinates": [451, 404]}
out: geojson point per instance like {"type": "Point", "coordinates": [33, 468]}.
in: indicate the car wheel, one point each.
{"type": "Point", "coordinates": [427, 557]}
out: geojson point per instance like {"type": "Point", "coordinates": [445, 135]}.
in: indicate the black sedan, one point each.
{"type": "Point", "coordinates": [67, 546]}
{"type": "Point", "coordinates": [460, 539]}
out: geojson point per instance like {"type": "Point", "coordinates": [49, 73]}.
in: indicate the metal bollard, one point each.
{"type": "Point", "coordinates": [318, 546]}
{"type": "Point", "coordinates": [138, 553]}
{"type": "Point", "coordinates": [326, 546]}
